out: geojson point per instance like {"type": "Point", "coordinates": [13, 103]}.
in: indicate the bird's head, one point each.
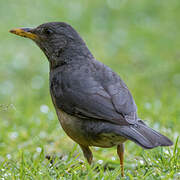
{"type": "Point", "coordinates": [58, 40]}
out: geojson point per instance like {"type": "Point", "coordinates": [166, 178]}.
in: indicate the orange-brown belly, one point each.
{"type": "Point", "coordinates": [74, 128]}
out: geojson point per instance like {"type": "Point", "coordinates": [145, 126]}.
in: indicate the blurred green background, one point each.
{"type": "Point", "coordinates": [140, 40]}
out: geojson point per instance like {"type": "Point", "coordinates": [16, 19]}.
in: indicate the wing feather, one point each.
{"type": "Point", "coordinates": [101, 95]}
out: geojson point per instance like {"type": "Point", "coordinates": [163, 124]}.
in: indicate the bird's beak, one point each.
{"type": "Point", "coordinates": [25, 32]}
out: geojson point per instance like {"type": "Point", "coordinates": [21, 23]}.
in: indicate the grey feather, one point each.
{"type": "Point", "coordinates": [99, 93]}
{"type": "Point", "coordinates": [144, 136]}
{"type": "Point", "coordinates": [88, 90]}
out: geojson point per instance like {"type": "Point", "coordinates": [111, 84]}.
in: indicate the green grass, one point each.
{"type": "Point", "coordinates": [138, 39]}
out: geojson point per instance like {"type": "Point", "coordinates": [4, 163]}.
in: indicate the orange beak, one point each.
{"type": "Point", "coordinates": [24, 32]}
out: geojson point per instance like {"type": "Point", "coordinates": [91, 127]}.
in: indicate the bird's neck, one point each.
{"type": "Point", "coordinates": [72, 54]}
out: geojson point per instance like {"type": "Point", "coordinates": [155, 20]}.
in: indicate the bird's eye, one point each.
{"type": "Point", "coordinates": [47, 31]}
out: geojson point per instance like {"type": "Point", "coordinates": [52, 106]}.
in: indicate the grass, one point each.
{"type": "Point", "coordinates": [137, 39]}
{"type": "Point", "coordinates": [160, 164]}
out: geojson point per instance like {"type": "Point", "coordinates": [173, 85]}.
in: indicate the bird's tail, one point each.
{"type": "Point", "coordinates": [144, 136]}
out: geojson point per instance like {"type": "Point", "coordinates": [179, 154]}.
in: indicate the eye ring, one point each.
{"type": "Point", "coordinates": [47, 31]}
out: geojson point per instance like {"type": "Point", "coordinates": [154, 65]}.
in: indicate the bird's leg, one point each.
{"type": "Point", "coordinates": [87, 153]}
{"type": "Point", "coordinates": [120, 152]}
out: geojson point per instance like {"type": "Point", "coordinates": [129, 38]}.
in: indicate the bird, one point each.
{"type": "Point", "coordinates": [92, 102]}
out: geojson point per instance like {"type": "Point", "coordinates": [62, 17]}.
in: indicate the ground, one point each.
{"type": "Point", "coordinates": [140, 40]}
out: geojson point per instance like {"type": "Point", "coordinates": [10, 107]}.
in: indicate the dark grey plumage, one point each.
{"type": "Point", "coordinates": [85, 88]}
{"type": "Point", "coordinates": [93, 104]}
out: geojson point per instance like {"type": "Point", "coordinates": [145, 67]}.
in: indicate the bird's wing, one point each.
{"type": "Point", "coordinates": [120, 95]}
{"type": "Point", "coordinates": [85, 97]}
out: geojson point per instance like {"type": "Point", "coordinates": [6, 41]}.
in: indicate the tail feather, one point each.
{"type": "Point", "coordinates": [144, 136]}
